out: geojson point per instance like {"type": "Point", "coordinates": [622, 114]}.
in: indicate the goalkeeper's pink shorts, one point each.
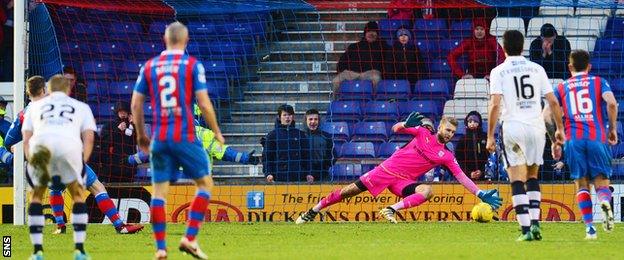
{"type": "Point", "coordinates": [378, 179]}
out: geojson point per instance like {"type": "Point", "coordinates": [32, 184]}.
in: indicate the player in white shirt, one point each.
{"type": "Point", "coordinates": [516, 89]}
{"type": "Point", "coordinates": [58, 139]}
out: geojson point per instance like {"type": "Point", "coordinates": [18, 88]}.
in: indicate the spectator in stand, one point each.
{"type": "Point", "coordinates": [321, 147]}
{"type": "Point", "coordinates": [117, 142]}
{"type": "Point", "coordinates": [551, 51]}
{"type": "Point", "coordinates": [78, 88]}
{"type": "Point", "coordinates": [362, 60]}
{"type": "Point", "coordinates": [403, 61]}
{"type": "Point", "coordinates": [285, 154]}
{"type": "Point", "coordinates": [4, 124]}
{"type": "Point", "coordinates": [483, 52]}
{"type": "Point", "coordinates": [470, 151]}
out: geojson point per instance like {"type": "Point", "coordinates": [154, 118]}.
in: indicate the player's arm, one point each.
{"type": "Point", "coordinates": [488, 197]}
{"type": "Point", "coordinates": [612, 114]}
{"type": "Point", "coordinates": [557, 116]}
{"type": "Point", "coordinates": [27, 133]}
{"type": "Point", "coordinates": [88, 138]}
{"type": "Point", "coordinates": [493, 114]}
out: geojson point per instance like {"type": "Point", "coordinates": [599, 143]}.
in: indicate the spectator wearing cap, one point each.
{"type": "Point", "coordinates": [285, 155]}
{"type": "Point", "coordinates": [78, 88]}
{"type": "Point", "coordinates": [551, 51]}
{"type": "Point", "coordinates": [4, 124]}
{"type": "Point", "coordinates": [470, 151]}
{"type": "Point", "coordinates": [117, 141]}
{"type": "Point", "coordinates": [482, 51]}
{"type": "Point", "coordinates": [403, 61]}
{"type": "Point", "coordinates": [362, 60]}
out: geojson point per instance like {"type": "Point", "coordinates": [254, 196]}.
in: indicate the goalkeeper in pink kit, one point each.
{"type": "Point", "coordinates": [400, 172]}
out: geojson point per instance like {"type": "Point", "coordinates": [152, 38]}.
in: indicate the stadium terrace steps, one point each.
{"type": "Point", "coordinates": [310, 45]}
{"type": "Point", "coordinates": [289, 85]}
{"type": "Point", "coordinates": [318, 55]}
{"type": "Point", "coordinates": [286, 95]}
{"type": "Point", "coordinates": [345, 15]}
{"type": "Point", "coordinates": [298, 65]}
{"type": "Point", "coordinates": [295, 75]}
{"type": "Point", "coordinates": [322, 35]}
{"type": "Point", "coordinates": [328, 26]}
{"type": "Point", "coordinates": [265, 116]}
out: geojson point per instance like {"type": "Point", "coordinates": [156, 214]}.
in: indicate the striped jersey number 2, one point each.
{"type": "Point", "coordinates": [580, 102]}
{"type": "Point", "coordinates": [167, 100]}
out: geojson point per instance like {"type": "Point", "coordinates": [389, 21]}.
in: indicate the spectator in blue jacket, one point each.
{"type": "Point", "coordinates": [285, 154]}
{"type": "Point", "coordinates": [4, 124]}
{"type": "Point", "coordinates": [321, 147]}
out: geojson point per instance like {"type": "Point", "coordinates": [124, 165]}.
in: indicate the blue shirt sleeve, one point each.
{"type": "Point", "coordinates": [141, 82]}
{"type": "Point", "coordinates": [605, 85]}
{"type": "Point", "coordinates": [14, 135]}
{"type": "Point", "coordinates": [556, 92]}
{"type": "Point", "coordinates": [199, 77]}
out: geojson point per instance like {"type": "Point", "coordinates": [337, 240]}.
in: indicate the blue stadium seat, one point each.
{"type": "Point", "coordinates": [355, 90]}
{"type": "Point", "coordinates": [126, 29]}
{"type": "Point", "coordinates": [393, 89]}
{"type": "Point", "coordinates": [148, 48]}
{"type": "Point", "coordinates": [432, 88]}
{"type": "Point", "coordinates": [143, 174]}
{"type": "Point", "coordinates": [430, 28]}
{"type": "Point", "coordinates": [447, 45]}
{"type": "Point", "coordinates": [348, 111]}
{"type": "Point", "coordinates": [608, 46]}
{"type": "Point", "coordinates": [235, 28]}
{"type": "Point", "coordinates": [381, 111]}
{"type": "Point", "coordinates": [461, 29]}
{"type": "Point", "coordinates": [615, 28]}
{"type": "Point", "coordinates": [132, 66]}
{"type": "Point", "coordinates": [84, 29]}
{"type": "Point", "coordinates": [102, 111]}
{"type": "Point", "coordinates": [388, 27]}
{"type": "Point", "coordinates": [370, 132]}
{"type": "Point", "coordinates": [95, 88]}
{"type": "Point", "coordinates": [387, 149]}
{"type": "Point", "coordinates": [338, 130]}
{"type": "Point", "coordinates": [617, 86]}
{"type": "Point", "coordinates": [430, 108]}
{"type": "Point", "coordinates": [428, 47]}
{"type": "Point", "coordinates": [347, 171]}
{"type": "Point", "coordinates": [439, 68]}
{"type": "Point", "coordinates": [114, 49]}
{"type": "Point", "coordinates": [158, 27]}
{"type": "Point", "coordinates": [226, 68]}
{"type": "Point", "coordinates": [97, 69]}
{"type": "Point", "coordinates": [617, 151]}
{"type": "Point", "coordinates": [218, 89]}
{"type": "Point", "coordinates": [121, 90]}
{"type": "Point", "coordinates": [201, 28]}
{"type": "Point", "coordinates": [355, 150]}
{"type": "Point", "coordinates": [73, 48]}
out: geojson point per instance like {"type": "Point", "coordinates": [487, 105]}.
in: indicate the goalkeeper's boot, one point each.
{"type": "Point", "coordinates": [60, 230]}
{"type": "Point", "coordinates": [306, 217]}
{"type": "Point", "coordinates": [607, 214]}
{"type": "Point", "coordinates": [590, 233]}
{"type": "Point", "coordinates": [81, 256]}
{"type": "Point", "coordinates": [36, 256]}
{"type": "Point", "coordinates": [160, 255]}
{"type": "Point", "coordinates": [388, 213]}
{"type": "Point", "coordinates": [191, 248]}
{"type": "Point", "coordinates": [129, 228]}
{"type": "Point", "coordinates": [536, 232]}
{"type": "Point", "coordinates": [40, 161]}
{"type": "Point", "coordinates": [525, 237]}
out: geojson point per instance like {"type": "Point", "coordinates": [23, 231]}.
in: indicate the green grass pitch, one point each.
{"type": "Point", "coordinates": [415, 240]}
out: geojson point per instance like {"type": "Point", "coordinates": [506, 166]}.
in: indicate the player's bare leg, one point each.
{"type": "Point", "coordinates": [332, 198]}
{"type": "Point", "coordinates": [584, 201]}
{"type": "Point", "coordinates": [188, 243]}
{"type": "Point", "coordinates": [535, 198]}
{"type": "Point", "coordinates": [79, 218]}
{"type": "Point", "coordinates": [106, 206]}
{"type": "Point", "coordinates": [603, 194]}
{"type": "Point", "coordinates": [420, 194]}
{"type": "Point", "coordinates": [159, 218]}
{"type": "Point", "coordinates": [520, 200]}
{"type": "Point", "coordinates": [36, 221]}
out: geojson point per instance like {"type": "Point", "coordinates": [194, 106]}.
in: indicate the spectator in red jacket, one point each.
{"type": "Point", "coordinates": [483, 52]}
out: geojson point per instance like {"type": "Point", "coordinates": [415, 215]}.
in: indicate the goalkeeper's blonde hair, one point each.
{"type": "Point", "coordinates": [58, 82]}
{"type": "Point", "coordinates": [448, 119]}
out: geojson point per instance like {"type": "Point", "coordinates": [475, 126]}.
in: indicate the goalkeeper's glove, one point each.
{"type": "Point", "coordinates": [490, 197]}
{"type": "Point", "coordinates": [414, 119]}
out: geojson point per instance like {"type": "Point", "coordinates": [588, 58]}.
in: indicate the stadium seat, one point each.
{"type": "Point", "coordinates": [393, 89]}
{"type": "Point", "coordinates": [461, 29]}
{"type": "Point", "coordinates": [380, 111]}
{"type": "Point", "coordinates": [143, 174]}
{"type": "Point", "coordinates": [387, 149]}
{"type": "Point", "coordinates": [113, 49]}
{"type": "Point", "coordinates": [432, 88]}
{"type": "Point", "coordinates": [353, 150]}
{"type": "Point", "coordinates": [149, 48]}
{"type": "Point", "coordinates": [447, 45]}
{"type": "Point", "coordinates": [535, 25]}
{"type": "Point", "coordinates": [617, 86]}
{"type": "Point", "coordinates": [102, 110]}
{"type": "Point", "coordinates": [566, 9]}
{"type": "Point", "coordinates": [430, 28]}
{"type": "Point", "coordinates": [617, 151]}
{"type": "Point", "coordinates": [338, 130]}
{"type": "Point", "coordinates": [158, 27]}
{"type": "Point", "coordinates": [132, 66]}
{"type": "Point", "coordinates": [73, 48]}
{"type": "Point", "coordinates": [222, 68]}
{"type": "Point", "coordinates": [459, 108]}
{"type": "Point", "coordinates": [348, 111]}
{"type": "Point", "coordinates": [355, 90]}
{"type": "Point", "coordinates": [439, 68]}
{"type": "Point", "coordinates": [461, 129]}
{"type": "Point", "coordinates": [126, 29]}
{"type": "Point", "coordinates": [346, 171]}
{"type": "Point", "coordinates": [218, 89]}
{"type": "Point", "coordinates": [388, 27]}
{"type": "Point", "coordinates": [369, 132]}
{"type": "Point", "coordinates": [428, 48]}
{"type": "Point", "coordinates": [615, 28]}
{"type": "Point", "coordinates": [607, 67]}
{"type": "Point", "coordinates": [501, 24]}
{"type": "Point", "coordinates": [585, 26]}
{"type": "Point", "coordinates": [201, 28]}
{"type": "Point", "coordinates": [97, 69]}
{"type": "Point", "coordinates": [430, 108]}
{"type": "Point", "coordinates": [582, 43]}
{"type": "Point", "coordinates": [121, 90]}
{"type": "Point", "coordinates": [608, 46]}
{"type": "Point", "coordinates": [594, 11]}
{"type": "Point", "coordinates": [82, 30]}
{"type": "Point", "coordinates": [471, 88]}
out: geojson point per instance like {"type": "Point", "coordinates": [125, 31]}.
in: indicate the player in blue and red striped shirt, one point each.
{"type": "Point", "coordinates": [587, 103]}
{"type": "Point", "coordinates": [173, 81]}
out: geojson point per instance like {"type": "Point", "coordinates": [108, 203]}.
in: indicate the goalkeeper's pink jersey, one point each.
{"type": "Point", "coordinates": [422, 154]}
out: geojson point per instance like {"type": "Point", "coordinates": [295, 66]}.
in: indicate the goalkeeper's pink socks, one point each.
{"type": "Point", "coordinates": [409, 202]}
{"type": "Point", "coordinates": [196, 214]}
{"type": "Point", "coordinates": [107, 207]}
{"type": "Point", "coordinates": [583, 198]}
{"type": "Point", "coordinates": [158, 219]}
{"type": "Point", "coordinates": [56, 203]}
{"type": "Point", "coordinates": [331, 199]}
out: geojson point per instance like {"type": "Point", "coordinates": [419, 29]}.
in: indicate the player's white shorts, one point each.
{"type": "Point", "coordinates": [523, 144]}
{"type": "Point", "coordinates": [65, 161]}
